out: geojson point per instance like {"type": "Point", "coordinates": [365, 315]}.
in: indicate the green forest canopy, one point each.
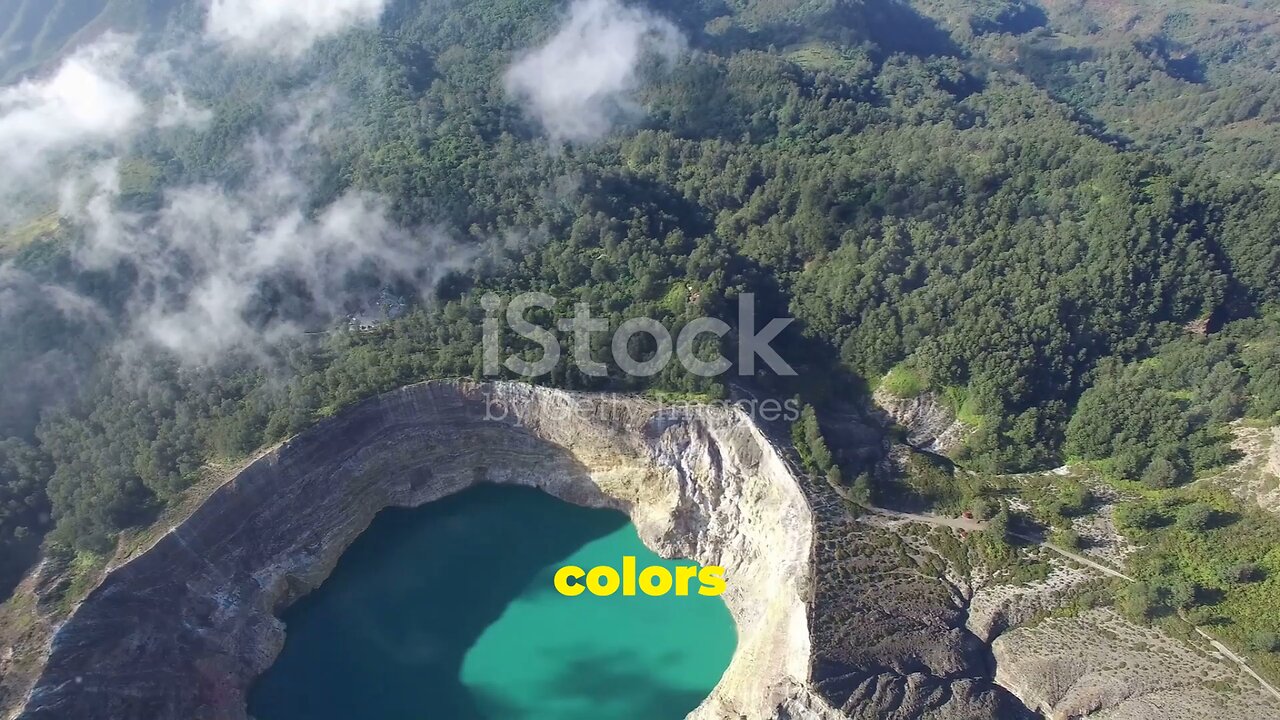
{"type": "Point", "coordinates": [1034, 232]}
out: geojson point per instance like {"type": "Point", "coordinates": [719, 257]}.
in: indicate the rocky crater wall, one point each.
{"type": "Point", "coordinates": [836, 617]}
{"type": "Point", "coordinates": [182, 630]}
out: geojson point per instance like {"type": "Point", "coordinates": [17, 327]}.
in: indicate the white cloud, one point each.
{"type": "Point", "coordinates": [286, 27]}
{"type": "Point", "coordinates": [218, 270]}
{"type": "Point", "coordinates": [580, 82]}
{"type": "Point", "coordinates": [96, 102]}
{"type": "Point", "coordinates": [86, 101]}
{"type": "Point", "coordinates": [39, 381]}
{"type": "Point", "coordinates": [243, 252]}
{"type": "Point", "coordinates": [176, 111]}
{"type": "Point", "coordinates": [204, 259]}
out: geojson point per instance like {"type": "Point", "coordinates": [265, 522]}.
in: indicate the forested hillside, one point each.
{"type": "Point", "coordinates": [1193, 80]}
{"type": "Point", "coordinates": [977, 196]}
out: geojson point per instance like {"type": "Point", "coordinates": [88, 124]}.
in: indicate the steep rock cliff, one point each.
{"type": "Point", "coordinates": [181, 630]}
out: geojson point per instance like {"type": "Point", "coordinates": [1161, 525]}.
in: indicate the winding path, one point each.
{"type": "Point", "coordinates": [960, 523]}
{"type": "Point", "coordinates": [1077, 557]}
{"type": "Point", "coordinates": [969, 525]}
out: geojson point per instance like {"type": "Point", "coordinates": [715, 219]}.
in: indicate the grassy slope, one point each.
{"type": "Point", "coordinates": [33, 32]}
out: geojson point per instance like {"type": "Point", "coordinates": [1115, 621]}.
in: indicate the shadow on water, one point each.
{"type": "Point", "coordinates": [612, 685]}
{"type": "Point", "coordinates": [386, 635]}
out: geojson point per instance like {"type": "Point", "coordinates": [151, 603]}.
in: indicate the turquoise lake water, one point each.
{"type": "Point", "coordinates": [448, 612]}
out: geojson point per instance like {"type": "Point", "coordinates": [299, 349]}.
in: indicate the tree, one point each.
{"type": "Point", "coordinates": [1069, 539]}
{"type": "Point", "coordinates": [1178, 594]}
{"type": "Point", "coordinates": [1139, 602]}
{"type": "Point", "coordinates": [1196, 517]}
{"type": "Point", "coordinates": [833, 183]}
{"type": "Point", "coordinates": [24, 508]}
{"type": "Point", "coordinates": [999, 527]}
{"type": "Point", "coordinates": [1073, 500]}
{"type": "Point", "coordinates": [984, 508]}
{"type": "Point", "coordinates": [806, 434]}
{"type": "Point", "coordinates": [862, 491]}
{"type": "Point", "coordinates": [1245, 573]}
{"type": "Point", "coordinates": [1169, 468]}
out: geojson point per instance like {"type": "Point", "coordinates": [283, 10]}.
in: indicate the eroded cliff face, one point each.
{"type": "Point", "coordinates": [930, 425]}
{"type": "Point", "coordinates": [182, 630]}
{"type": "Point", "coordinates": [830, 622]}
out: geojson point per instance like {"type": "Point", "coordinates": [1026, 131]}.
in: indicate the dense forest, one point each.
{"type": "Point", "coordinates": [994, 197]}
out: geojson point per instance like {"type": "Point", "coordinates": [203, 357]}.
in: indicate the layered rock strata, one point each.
{"type": "Point", "coordinates": [831, 622]}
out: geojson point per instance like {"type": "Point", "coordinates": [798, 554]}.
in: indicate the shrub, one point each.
{"type": "Point", "coordinates": [1265, 641]}
{"type": "Point", "coordinates": [1141, 516]}
{"type": "Point", "coordinates": [904, 382]}
{"type": "Point", "coordinates": [1244, 573]}
{"type": "Point", "coordinates": [1069, 539]}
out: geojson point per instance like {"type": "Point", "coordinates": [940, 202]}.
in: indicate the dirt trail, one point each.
{"type": "Point", "coordinates": [969, 525]}
{"type": "Point", "coordinates": [1227, 653]}
{"type": "Point", "coordinates": [1077, 557]}
{"type": "Point", "coordinates": [960, 523]}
